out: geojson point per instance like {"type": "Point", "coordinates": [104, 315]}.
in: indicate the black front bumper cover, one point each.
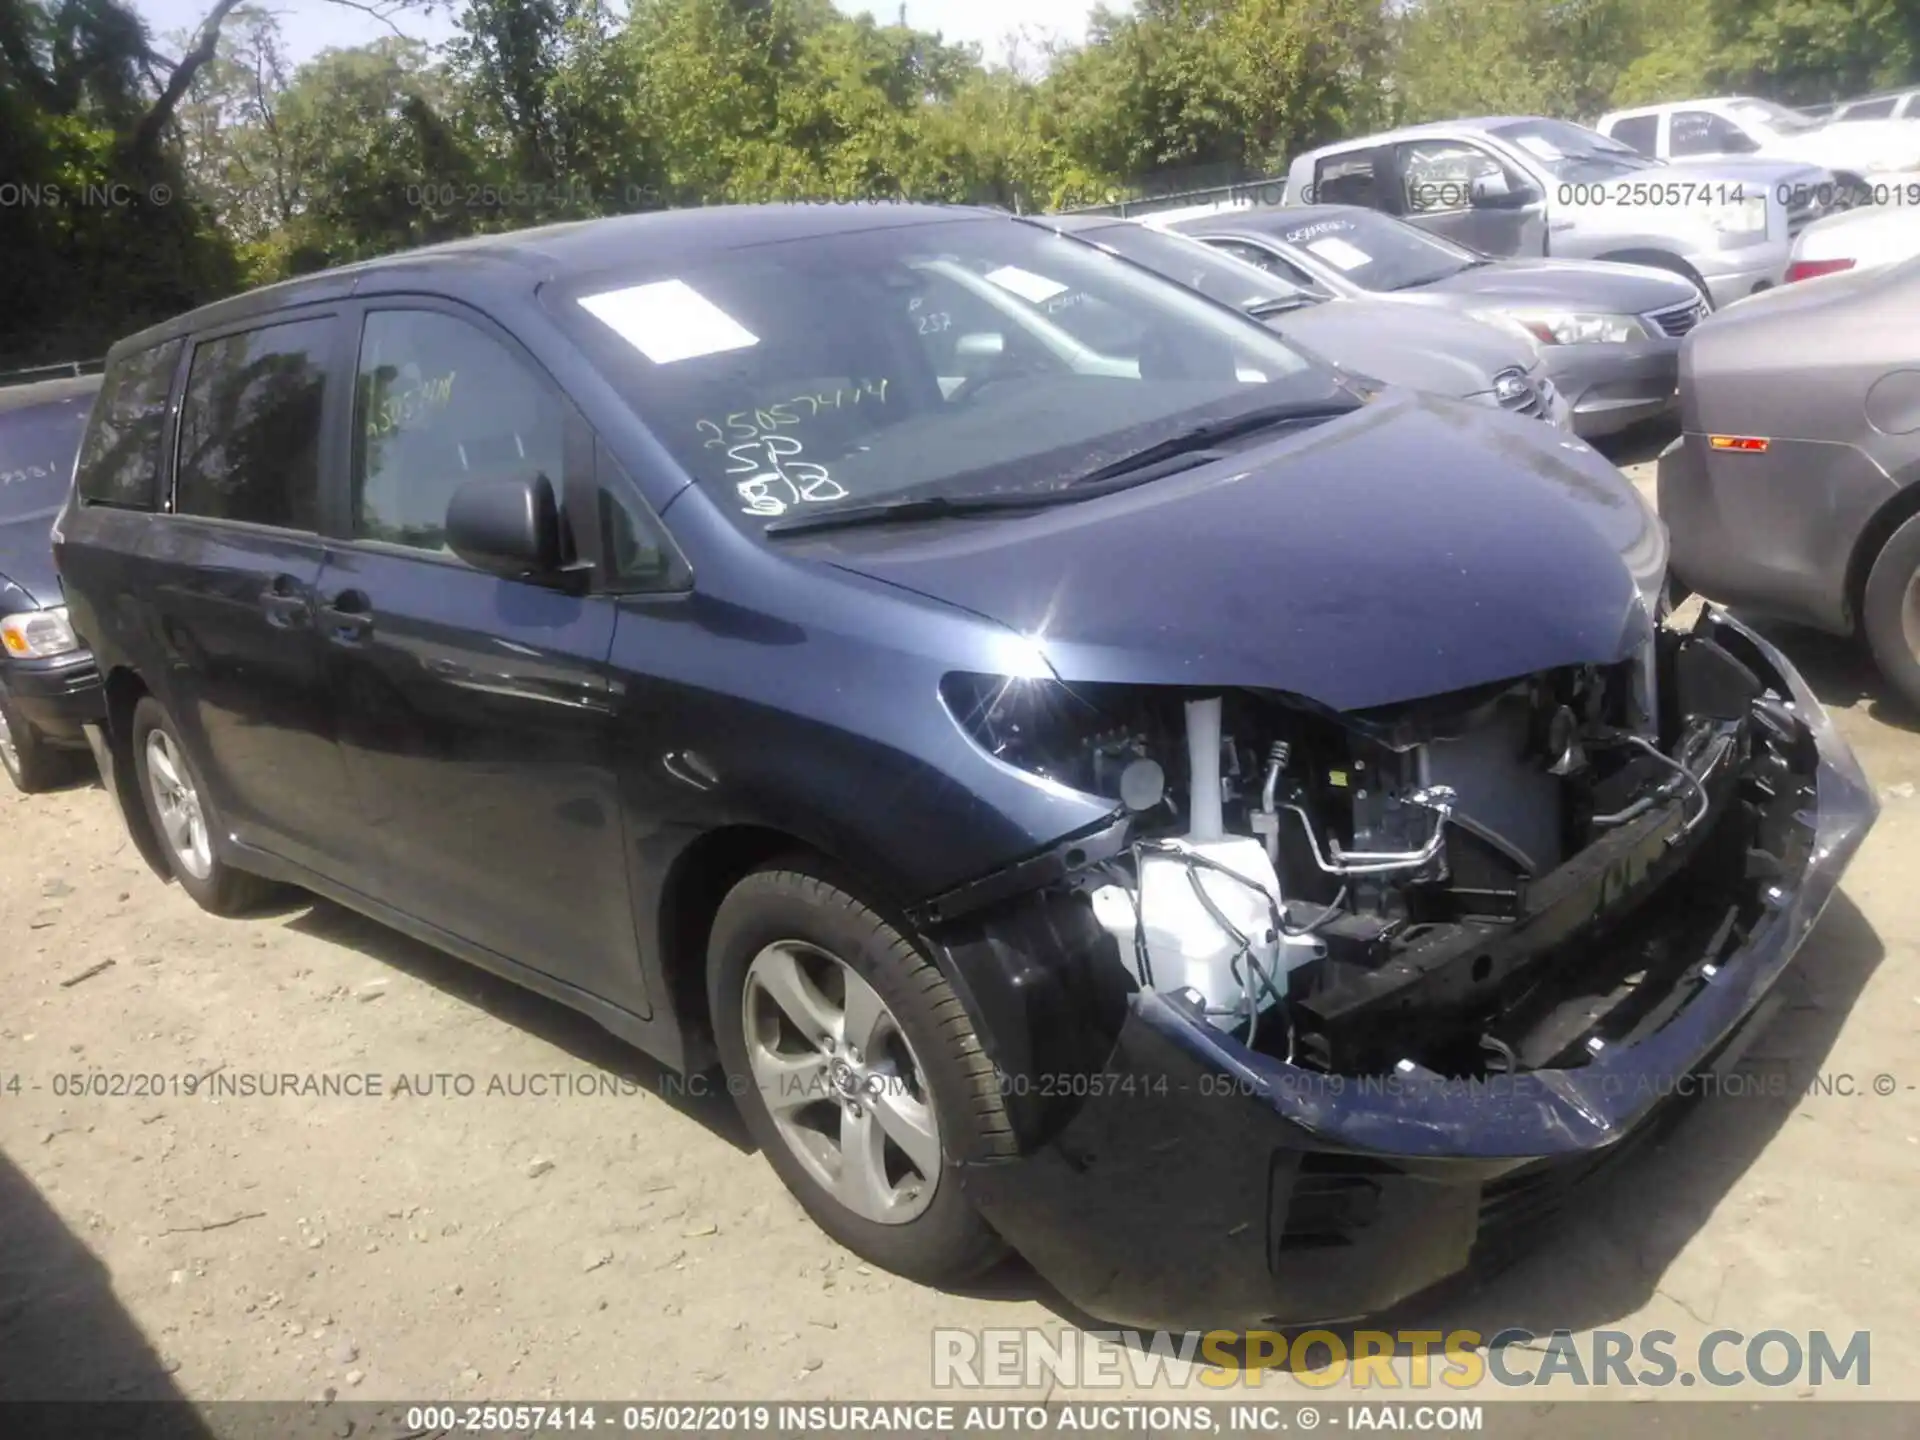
{"type": "Point", "coordinates": [1194, 1184]}
{"type": "Point", "coordinates": [58, 695]}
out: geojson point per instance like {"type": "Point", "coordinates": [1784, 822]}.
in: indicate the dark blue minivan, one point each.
{"type": "Point", "coordinates": [1101, 782]}
{"type": "Point", "coordinates": [49, 687]}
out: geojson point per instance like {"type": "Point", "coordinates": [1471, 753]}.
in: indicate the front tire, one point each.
{"type": "Point", "coordinates": [30, 762]}
{"type": "Point", "coordinates": [1890, 612]}
{"type": "Point", "coordinates": [857, 1070]}
{"type": "Point", "coordinates": [183, 818]}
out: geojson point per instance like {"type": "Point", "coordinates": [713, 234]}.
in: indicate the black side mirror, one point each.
{"type": "Point", "coordinates": [509, 528]}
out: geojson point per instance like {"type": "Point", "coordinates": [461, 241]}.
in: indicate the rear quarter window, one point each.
{"type": "Point", "coordinates": [120, 457]}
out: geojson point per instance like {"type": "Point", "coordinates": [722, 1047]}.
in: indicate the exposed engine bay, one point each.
{"type": "Point", "coordinates": [1476, 884]}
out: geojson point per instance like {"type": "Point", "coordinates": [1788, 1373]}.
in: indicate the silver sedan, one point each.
{"type": "Point", "coordinates": [1610, 333]}
{"type": "Point", "coordinates": [1794, 489]}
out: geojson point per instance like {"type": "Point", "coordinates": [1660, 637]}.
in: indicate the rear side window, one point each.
{"type": "Point", "coordinates": [120, 458]}
{"type": "Point", "coordinates": [1354, 178]}
{"type": "Point", "coordinates": [1641, 132]}
{"type": "Point", "coordinates": [250, 426]}
{"type": "Point", "coordinates": [441, 403]}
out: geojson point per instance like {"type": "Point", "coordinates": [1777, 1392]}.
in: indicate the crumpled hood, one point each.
{"type": "Point", "coordinates": [1416, 547]}
{"type": "Point", "coordinates": [1589, 285]}
{"type": "Point", "coordinates": [26, 557]}
{"type": "Point", "coordinates": [1423, 347]}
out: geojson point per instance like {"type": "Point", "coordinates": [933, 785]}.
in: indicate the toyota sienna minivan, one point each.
{"type": "Point", "coordinates": [1130, 795]}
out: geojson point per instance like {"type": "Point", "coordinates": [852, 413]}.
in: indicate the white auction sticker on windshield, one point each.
{"type": "Point", "coordinates": [1336, 251]}
{"type": "Point", "coordinates": [1534, 145]}
{"type": "Point", "coordinates": [1026, 284]}
{"type": "Point", "coordinates": [669, 320]}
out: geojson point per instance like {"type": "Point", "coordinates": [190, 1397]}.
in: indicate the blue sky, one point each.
{"type": "Point", "coordinates": [312, 25]}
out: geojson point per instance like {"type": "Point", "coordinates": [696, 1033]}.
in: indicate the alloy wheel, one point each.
{"type": "Point", "coordinates": [1910, 615]}
{"type": "Point", "coordinates": [183, 820]}
{"type": "Point", "coordinates": [843, 1086]}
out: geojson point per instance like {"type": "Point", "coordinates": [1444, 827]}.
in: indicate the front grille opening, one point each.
{"type": "Point", "coordinates": [1321, 1201]}
{"type": "Point", "coordinates": [1677, 320]}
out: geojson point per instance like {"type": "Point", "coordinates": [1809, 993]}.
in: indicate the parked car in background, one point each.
{"type": "Point", "coordinates": [1868, 238]}
{"type": "Point", "coordinates": [1869, 159]}
{"type": "Point", "coordinates": [1519, 185]}
{"type": "Point", "coordinates": [49, 686]}
{"type": "Point", "coordinates": [694, 617]}
{"type": "Point", "coordinates": [1886, 105]}
{"type": "Point", "coordinates": [1794, 490]}
{"type": "Point", "coordinates": [1421, 347]}
{"type": "Point", "coordinates": [1610, 333]}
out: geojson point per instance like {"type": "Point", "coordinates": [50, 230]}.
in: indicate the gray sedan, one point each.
{"type": "Point", "coordinates": [1611, 333]}
{"type": "Point", "coordinates": [1422, 348]}
{"type": "Point", "coordinates": [1794, 489]}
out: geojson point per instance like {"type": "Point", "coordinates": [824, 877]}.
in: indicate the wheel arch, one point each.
{"type": "Point", "coordinates": [697, 880]}
{"type": "Point", "coordinates": [124, 692]}
{"type": "Point", "coordinates": [1896, 511]}
{"type": "Point", "coordinates": [1659, 260]}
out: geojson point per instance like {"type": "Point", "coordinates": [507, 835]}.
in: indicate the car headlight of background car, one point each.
{"type": "Point", "coordinates": [1744, 219]}
{"type": "Point", "coordinates": [38, 634]}
{"type": "Point", "coordinates": [1571, 327]}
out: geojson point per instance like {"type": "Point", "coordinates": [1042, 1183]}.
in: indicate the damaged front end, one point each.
{"type": "Point", "coordinates": [1283, 1040]}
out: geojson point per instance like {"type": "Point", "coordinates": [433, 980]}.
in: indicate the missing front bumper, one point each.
{"type": "Point", "coordinates": [1196, 1183]}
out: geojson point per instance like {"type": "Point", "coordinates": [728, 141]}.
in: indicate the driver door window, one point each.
{"type": "Point", "coordinates": [440, 402]}
{"type": "Point", "coordinates": [1700, 132]}
{"type": "Point", "coordinates": [1438, 175]}
{"type": "Point", "coordinates": [1869, 110]}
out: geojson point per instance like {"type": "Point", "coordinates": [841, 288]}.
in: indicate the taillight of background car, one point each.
{"type": "Point", "coordinates": [1809, 269]}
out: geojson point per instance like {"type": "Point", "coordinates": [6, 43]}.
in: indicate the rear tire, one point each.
{"type": "Point", "coordinates": [31, 763]}
{"type": "Point", "coordinates": [841, 1041]}
{"type": "Point", "coordinates": [1890, 612]}
{"type": "Point", "coordinates": [183, 818]}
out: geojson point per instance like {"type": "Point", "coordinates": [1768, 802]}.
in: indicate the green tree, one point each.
{"type": "Point", "coordinates": [98, 235]}
{"type": "Point", "coordinates": [1529, 57]}
{"type": "Point", "coordinates": [1215, 89]}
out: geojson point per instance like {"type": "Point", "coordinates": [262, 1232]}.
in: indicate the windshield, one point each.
{"type": "Point", "coordinates": [37, 446]}
{"type": "Point", "coordinates": [1769, 116]}
{"type": "Point", "coordinates": [919, 361]}
{"type": "Point", "coordinates": [1573, 152]}
{"type": "Point", "coordinates": [1197, 265]}
{"type": "Point", "coordinates": [1373, 251]}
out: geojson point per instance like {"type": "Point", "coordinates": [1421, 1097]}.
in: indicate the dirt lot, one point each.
{"type": "Point", "coordinates": [442, 1245]}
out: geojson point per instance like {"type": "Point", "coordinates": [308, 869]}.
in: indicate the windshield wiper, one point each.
{"type": "Point", "coordinates": [930, 507]}
{"type": "Point", "coordinates": [1277, 305]}
{"type": "Point", "coordinates": [1187, 450]}
{"type": "Point", "coordinates": [1198, 441]}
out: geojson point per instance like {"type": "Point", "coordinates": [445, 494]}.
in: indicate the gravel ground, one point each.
{"type": "Point", "coordinates": [428, 1243]}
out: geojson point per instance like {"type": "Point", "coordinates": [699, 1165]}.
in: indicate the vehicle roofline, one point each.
{"type": "Point", "coordinates": [530, 256]}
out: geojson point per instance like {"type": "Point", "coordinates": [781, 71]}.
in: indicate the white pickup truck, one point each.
{"type": "Point", "coordinates": [1870, 159]}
